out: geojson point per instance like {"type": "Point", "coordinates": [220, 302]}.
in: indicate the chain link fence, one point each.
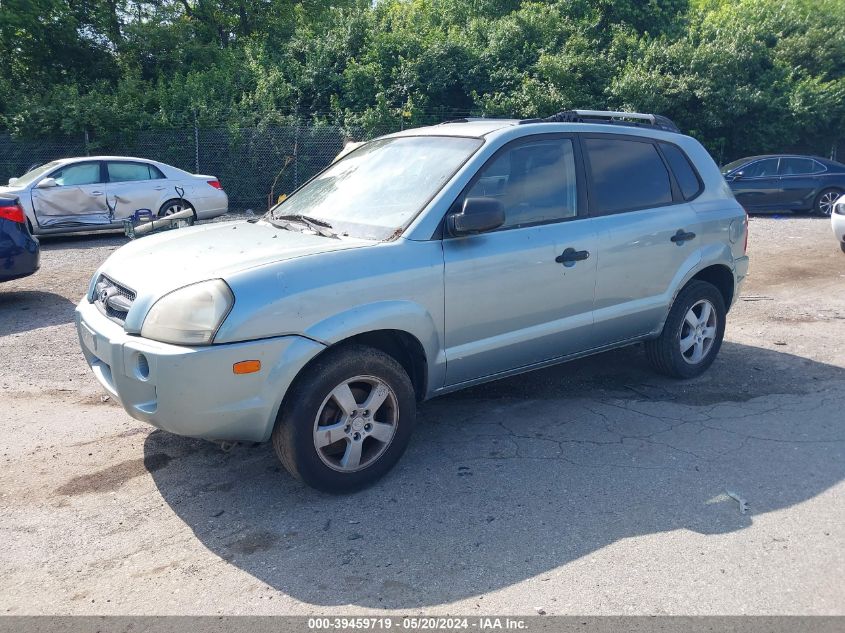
{"type": "Point", "coordinates": [254, 165]}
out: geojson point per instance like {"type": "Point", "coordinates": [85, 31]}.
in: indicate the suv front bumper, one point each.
{"type": "Point", "coordinates": [193, 391]}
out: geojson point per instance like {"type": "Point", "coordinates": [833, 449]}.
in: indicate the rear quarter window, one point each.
{"type": "Point", "coordinates": [681, 166]}
{"type": "Point", "coordinates": [627, 175]}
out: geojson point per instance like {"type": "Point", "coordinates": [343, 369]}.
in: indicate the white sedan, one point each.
{"type": "Point", "coordinates": [99, 192]}
{"type": "Point", "coordinates": [837, 220]}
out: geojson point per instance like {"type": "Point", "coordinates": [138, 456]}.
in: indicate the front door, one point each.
{"type": "Point", "coordinates": [512, 298]}
{"type": "Point", "coordinates": [77, 198]}
{"type": "Point", "coordinates": [758, 187]}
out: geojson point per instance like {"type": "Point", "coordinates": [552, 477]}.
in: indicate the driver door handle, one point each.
{"type": "Point", "coordinates": [570, 256]}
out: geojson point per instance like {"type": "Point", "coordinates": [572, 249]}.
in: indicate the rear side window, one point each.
{"type": "Point", "coordinates": [535, 181]}
{"type": "Point", "coordinates": [627, 175]}
{"type": "Point", "coordinates": [126, 172]}
{"type": "Point", "coordinates": [682, 168]}
{"type": "Point", "coordinates": [797, 166]}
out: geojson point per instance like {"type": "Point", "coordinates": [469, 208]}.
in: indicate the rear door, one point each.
{"type": "Point", "coordinates": [647, 232]}
{"type": "Point", "coordinates": [510, 298]}
{"type": "Point", "coordinates": [758, 186]}
{"type": "Point", "coordinates": [78, 197]}
{"type": "Point", "coordinates": [798, 182]}
{"type": "Point", "coordinates": [134, 185]}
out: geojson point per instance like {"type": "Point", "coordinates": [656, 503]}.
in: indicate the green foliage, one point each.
{"type": "Point", "coordinates": [744, 76]}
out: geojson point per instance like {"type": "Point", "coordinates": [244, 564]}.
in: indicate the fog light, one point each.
{"type": "Point", "coordinates": [142, 367]}
{"type": "Point", "coordinates": [247, 367]}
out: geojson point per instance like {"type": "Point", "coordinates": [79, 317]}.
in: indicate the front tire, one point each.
{"type": "Point", "coordinates": [692, 334]}
{"type": "Point", "coordinates": [346, 420]}
{"type": "Point", "coordinates": [823, 204]}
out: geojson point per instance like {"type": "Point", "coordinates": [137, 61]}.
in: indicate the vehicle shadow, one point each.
{"type": "Point", "coordinates": [24, 310]}
{"type": "Point", "coordinates": [514, 479]}
{"type": "Point", "coordinates": [71, 241]}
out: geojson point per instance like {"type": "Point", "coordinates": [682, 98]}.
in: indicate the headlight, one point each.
{"type": "Point", "coordinates": [190, 315]}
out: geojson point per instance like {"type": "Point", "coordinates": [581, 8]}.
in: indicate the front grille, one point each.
{"type": "Point", "coordinates": [112, 299]}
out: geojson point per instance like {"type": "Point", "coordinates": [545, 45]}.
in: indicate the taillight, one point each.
{"type": "Point", "coordinates": [215, 183]}
{"type": "Point", "coordinates": [745, 245]}
{"type": "Point", "coordinates": [13, 212]}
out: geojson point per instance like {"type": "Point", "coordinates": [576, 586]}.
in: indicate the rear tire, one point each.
{"type": "Point", "coordinates": [823, 204]}
{"type": "Point", "coordinates": [692, 334]}
{"type": "Point", "coordinates": [842, 246]}
{"type": "Point", "coordinates": [173, 206]}
{"type": "Point", "coordinates": [346, 420]}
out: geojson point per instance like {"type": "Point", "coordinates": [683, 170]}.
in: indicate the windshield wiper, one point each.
{"type": "Point", "coordinates": [305, 218]}
{"type": "Point", "coordinates": [321, 227]}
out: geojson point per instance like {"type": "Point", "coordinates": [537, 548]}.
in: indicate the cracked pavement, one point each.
{"type": "Point", "coordinates": [594, 487]}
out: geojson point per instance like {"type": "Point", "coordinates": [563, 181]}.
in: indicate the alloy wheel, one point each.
{"type": "Point", "coordinates": [698, 331]}
{"type": "Point", "coordinates": [356, 423]}
{"type": "Point", "coordinates": [826, 202]}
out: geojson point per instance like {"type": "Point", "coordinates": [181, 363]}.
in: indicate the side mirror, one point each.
{"type": "Point", "coordinates": [738, 175]}
{"type": "Point", "coordinates": [47, 183]}
{"type": "Point", "coordinates": [12, 181]}
{"type": "Point", "coordinates": [476, 216]}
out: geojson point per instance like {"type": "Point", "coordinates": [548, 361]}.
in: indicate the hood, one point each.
{"type": "Point", "coordinates": [13, 190]}
{"type": "Point", "coordinates": [158, 263]}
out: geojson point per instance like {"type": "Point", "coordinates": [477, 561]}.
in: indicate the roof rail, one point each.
{"type": "Point", "coordinates": [609, 116]}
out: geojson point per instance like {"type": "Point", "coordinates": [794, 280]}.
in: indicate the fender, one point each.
{"type": "Point", "coordinates": [712, 254]}
{"type": "Point", "coordinates": [405, 316]}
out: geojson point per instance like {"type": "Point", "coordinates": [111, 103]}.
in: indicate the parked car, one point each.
{"type": "Point", "coordinates": [837, 221]}
{"type": "Point", "coordinates": [418, 264]}
{"type": "Point", "coordinates": [786, 183]}
{"type": "Point", "coordinates": [98, 192]}
{"type": "Point", "coordinates": [19, 251]}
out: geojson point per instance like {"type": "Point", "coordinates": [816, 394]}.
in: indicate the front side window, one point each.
{"type": "Point", "coordinates": [127, 172]}
{"type": "Point", "coordinates": [380, 187]}
{"type": "Point", "coordinates": [535, 181]}
{"type": "Point", "coordinates": [78, 174]}
{"type": "Point", "coordinates": [761, 169]}
{"type": "Point", "coordinates": [627, 175]}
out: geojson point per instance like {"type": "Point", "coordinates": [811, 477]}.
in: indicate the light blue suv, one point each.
{"type": "Point", "coordinates": [418, 264]}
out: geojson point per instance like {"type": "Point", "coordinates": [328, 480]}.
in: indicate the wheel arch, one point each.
{"type": "Point", "coordinates": [401, 345]}
{"type": "Point", "coordinates": [720, 276]}
{"type": "Point", "coordinates": [168, 199]}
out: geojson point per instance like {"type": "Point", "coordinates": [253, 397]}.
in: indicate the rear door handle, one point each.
{"type": "Point", "coordinates": [682, 236]}
{"type": "Point", "coordinates": [570, 256]}
{"type": "Point", "coordinates": [96, 193]}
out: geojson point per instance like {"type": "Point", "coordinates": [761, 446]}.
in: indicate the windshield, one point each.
{"type": "Point", "coordinates": [36, 173]}
{"type": "Point", "coordinates": [380, 187]}
{"type": "Point", "coordinates": [734, 165]}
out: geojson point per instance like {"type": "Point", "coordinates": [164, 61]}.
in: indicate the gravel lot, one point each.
{"type": "Point", "coordinates": [590, 488]}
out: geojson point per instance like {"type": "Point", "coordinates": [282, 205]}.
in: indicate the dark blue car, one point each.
{"type": "Point", "coordinates": [19, 250]}
{"type": "Point", "coordinates": [778, 182]}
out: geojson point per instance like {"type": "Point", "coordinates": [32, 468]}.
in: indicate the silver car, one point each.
{"type": "Point", "coordinates": [98, 192]}
{"type": "Point", "coordinates": [420, 263]}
